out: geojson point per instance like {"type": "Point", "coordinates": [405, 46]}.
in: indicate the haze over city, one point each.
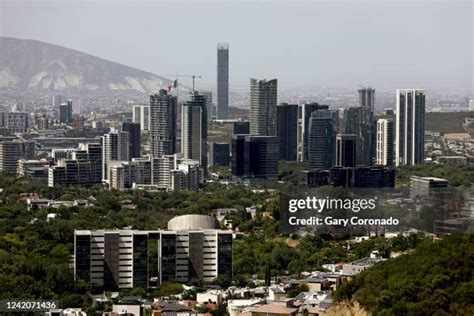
{"type": "Point", "coordinates": [383, 44]}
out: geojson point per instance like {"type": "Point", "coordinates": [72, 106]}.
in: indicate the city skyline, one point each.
{"type": "Point", "coordinates": [319, 50]}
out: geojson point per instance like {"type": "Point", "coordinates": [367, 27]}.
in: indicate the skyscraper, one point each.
{"type": "Point", "coordinates": [115, 146]}
{"type": "Point", "coordinates": [222, 81]}
{"type": "Point", "coordinates": [141, 114]}
{"type": "Point", "coordinates": [263, 107]}
{"type": "Point", "coordinates": [194, 129]}
{"type": "Point", "coordinates": [346, 150]}
{"type": "Point", "coordinates": [209, 105]}
{"type": "Point", "coordinates": [13, 149]}
{"type": "Point", "coordinates": [367, 98]}
{"type": "Point", "coordinates": [287, 125]}
{"type": "Point", "coordinates": [385, 140]}
{"type": "Point", "coordinates": [65, 112]}
{"type": "Point", "coordinates": [163, 118]}
{"type": "Point", "coordinates": [255, 156]}
{"type": "Point", "coordinates": [321, 139]}
{"type": "Point", "coordinates": [410, 127]}
{"type": "Point", "coordinates": [304, 113]}
{"type": "Point", "coordinates": [134, 136]}
{"type": "Point", "coordinates": [358, 121]}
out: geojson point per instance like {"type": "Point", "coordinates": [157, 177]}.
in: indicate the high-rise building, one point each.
{"type": "Point", "coordinates": [471, 105]}
{"type": "Point", "coordinates": [358, 121]}
{"type": "Point", "coordinates": [385, 142]}
{"type": "Point", "coordinates": [367, 98]}
{"type": "Point", "coordinates": [194, 129]}
{"type": "Point", "coordinates": [209, 105]}
{"type": "Point", "coordinates": [304, 113]}
{"type": "Point", "coordinates": [321, 139]}
{"type": "Point", "coordinates": [255, 156]}
{"type": "Point", "coordinates": [219, 154]}
{"type": "Point", "coordinates": [13, 149]}
{"type": "Point", "coordinates": [287, 127]}
{"type": "Point", "coordinates": [71, 172]}
{"type": "Point", "coordinates": [134, 136]}
{"type": "Point", "coordinates": [241, 128]}
{"type": "Point", "coordinates": [15, 122]}
{"type": "Point", "coordinates": [65, 112]}
{"type": "Point", "coordinates": [115, 146]}
{"type": "Point", "coordinates": [163, 120]}
{"type": "Point", "coordinates": [112, 260]}
{"type": "Point", "coordinates": [263, 107]}
{"type": "Point", "coordinates": [410, 127]}
{"type": "Point", "coordinates": [222, 81]}
{"type": "Point", "coordinates": [57, 100]}
{"type": "Point", "coordinates": [346, 147]}
{"type": "Point", "coordinates": [141, 115]}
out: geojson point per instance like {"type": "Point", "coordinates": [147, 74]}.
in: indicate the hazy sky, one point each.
{"type": "Point", "coordinates": [404, 44]}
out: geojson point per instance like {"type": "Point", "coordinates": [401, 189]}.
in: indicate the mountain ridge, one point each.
{"type": "Point", "coordinates": [39, 66]}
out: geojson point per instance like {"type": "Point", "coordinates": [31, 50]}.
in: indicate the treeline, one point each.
{"type": "Point", "coordinates": [436, 279]}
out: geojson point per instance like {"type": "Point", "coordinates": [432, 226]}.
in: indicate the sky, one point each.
{"type": "Point", "coordinates": [413, 44]}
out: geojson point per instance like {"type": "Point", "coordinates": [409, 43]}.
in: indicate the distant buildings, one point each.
{"type": "Point", "coordinates": [263, 107]}
{"type": "Point", "coordinates": [15, 122]}
{"type": "Point", "coordinates": [134, 136]}
{"type": "Point", "coordinates": [13, 149]}
{"type": "Point", "coordinates": [287, 127]}
{"type": "Point", "coordinates": [367, 98]}
{"type": "Point", "coordinates": [241, 128]}
{"type": "Point", "coordinates": [321, 139]}
{"type": "Point", "coordinates": [112, 260]}
{"type": "Point", "coordinates": [33, 168]}
{"type": "Point", "coordinates": [141, 115]}
{"type": "Point", "coordinates": [163, 120]}
{"type": "Point", "coordinates": [385, 142]}
{"type": "Point", "coordinates": [255, 156]}
{"type": "Point", "coordinates": [346, 147]}
{"type": "Point", "coordinates": [410, 127]}
{"type": "Point", "coordinates": [222, 81]}
{"type": "Point", "coordinates": [65, 112]}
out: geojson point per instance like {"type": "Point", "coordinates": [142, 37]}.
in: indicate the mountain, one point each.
{"type": "Point", "coordinates": [37, 66]}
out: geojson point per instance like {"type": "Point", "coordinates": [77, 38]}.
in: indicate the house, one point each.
{"type": "Point", "coordinates": [212, 296]}
{"type": "Point", "coordinates": [235, 307]}
{"type": "Point", "coordinates": [272, 310]}
{"type": "Point", "coordinates": [317, 283]}
{"type": "Point", "coordinates": [276, 293]}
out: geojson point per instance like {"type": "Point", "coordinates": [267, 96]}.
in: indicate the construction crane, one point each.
{"type": "Point", "coordinates": [187, 76]}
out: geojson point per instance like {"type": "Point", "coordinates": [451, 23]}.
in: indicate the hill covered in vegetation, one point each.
{"type": "Point", "coordinates": [435, 279]}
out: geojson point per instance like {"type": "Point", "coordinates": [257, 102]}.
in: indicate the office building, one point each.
{"type": "Point", "coordinates": [37, 169]}
{"type": "Point", "coordinates": [321, 140]}
{"type": "Point", "coordinates": [304, 113]}
{"type": "Point", "coordinates": [241, 128]}
{"type": "Point", "coordinates": [358, 121]}
{"type": "Point", "coordinates": [385, 142]}
{"type": "Point", "coordinates": [15, 122]}
{"type": "Point", "coordinates": [12, 150]}
{"type": "Point", "coordinates": [57, 100]}
{"type": "Point", "coordinates": [219, 154]}
{"type": "Point", "coordinates": [263, 107]}
{"type": "Point", "coordinates": [346, 148]}
{"type": "Point", "coordinates": [255, 156]}
{"type": "Point", "coordinates": [134, 136]}
{"type": "Point", "coordinates": [424, 186]}
{"type": "Point", "coordinates": [115, 146]}
{"type": "Point", "coordinates": [65, 112]}
{"type": "Point", "coordinates": [352, 177]}
{"type": "Point", "coordinates": [209, 105]}
{"type": "Point", "coordinates": [222, 81]}
{"type": "Point", "coordinates": [62, 153]}
{"type": "Point", "coordinates": [113, 260]}
{"type": "Point", "coordinates": [163, 120]}
{"type": "Point", "coordinates": [410, 127]}
{"type": "Point", "coordinates": [287, 127]}
{"type": "Point", "coordinates": [194, 129]}
{"type": "Point", "coordinates": [367, 99]}
{"type": "Point", "coordinates": [141, 115]}
{"type": "Point", "coordinates": [71, 172]}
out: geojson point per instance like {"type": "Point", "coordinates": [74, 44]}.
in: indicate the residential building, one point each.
{"type": "Point", "coordinates": [115, 146]}
{"type": "Point", "coordinates": [410, 127]}
{"type": "Point", "coordinates": [385, 142]}
{"type": "Point", "coordinates": [15, 122]}
{"type": "Point", "coordinates": [163, 120]}
{"type": "Point", "coordinates": [141, 115]}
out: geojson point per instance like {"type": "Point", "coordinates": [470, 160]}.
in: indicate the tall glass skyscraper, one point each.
{"type": "Point", "coordinates": [263, 107]}
{"type": "Point", "coordinates": [410, 127]}
{"type": "Point", "coordinates": [222, 81]}
{"type": "Point", "coordinates": [163, 117]}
